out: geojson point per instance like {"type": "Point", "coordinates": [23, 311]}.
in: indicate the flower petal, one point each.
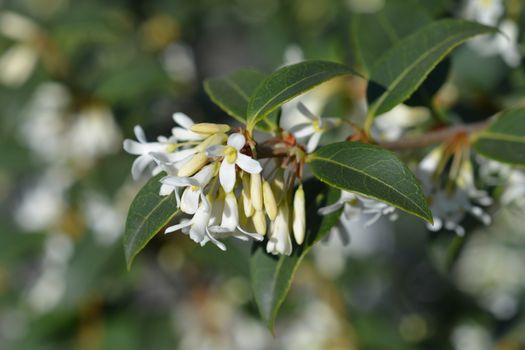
{"type": "Point", "coordinates": [313, 142]}
{"type": "Point", "coordinates": [248, 164]}
{"type": "Point", "coordinates": [182, 134]}
{"type": "Point", "coordinates": [180, 155]}
{"type": "Point", "coordinates": [302, 130]}
{"type": "Point", "coordinates": [237, 141]}
{"type": "Point", "coordinates": [305, 111]}
{"type": "Point", "coordinates": [329, 209]}
{"type": "Point", "coordinates": [227, 176]}
{"type": "Point", "coordinates": [190, 200]}
{"type": "Point", "coordinates": [215, 241]}
{"type": "Point", "coordinates": [139, 133]}
{"type": "Point", "coordinates": [179, 226]}
{"type": "Point", "coordinates": [139, 165]}
{"type": "Point", "coordinates": [215, 151]}
{"type": "Point", "coordinates": [183, 120]}
{"type": "Point", "coordinates": [177, 181]}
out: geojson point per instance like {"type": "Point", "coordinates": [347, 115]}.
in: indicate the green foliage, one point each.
{"type": "Point", "coordinates": [402, 69]}
{"type": "Point", "coordinates": [372, 34]}
{"type": "Point", "coordinates": [371, 171]}
{"type": "Point", "coordinates": [233, 92]}
{"type": "Point", "coordinates": [271, 275]}
{"type": "Point", "coordinates": [148, 214]}
{"type": "Point", "coordinates": [504, 139]}
{"type": "Point", "coordinates": [289, 82]}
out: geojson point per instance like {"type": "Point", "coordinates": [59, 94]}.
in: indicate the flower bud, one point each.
{"type": "Point", "coordinates": [269, 201]}
{"type": "Point", "coordinates": [259, 222]}
{"type": "Point", "coordinates": [193, 165]}
{"type": "Point", "coordinates": [210, 128]}
{"type": "Point", "coordinates": [280, 242]}
{"type": "Point", "coordinates": [278, 186]}
{"type": "Point", "coordinates": [256, 195]}
{"type": "Point", "coordinates": [215, 139]}
{"type": "Point", "coordinates": [299, 215]}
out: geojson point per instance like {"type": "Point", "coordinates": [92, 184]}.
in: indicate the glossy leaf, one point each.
{"type": "Point", "coordinates": [371, 171]}
{"type": "Point", "coordinates": [289, 82]}
{"type": "Point", "coordinates": [504, 139]}
{"type": "Point", "coordinates": [272, 276]}
{"type": "Point", "coordinates": [403, 68]}
{"type": "Point", "coordinates": [232, 94]}
{"type": "Point", "coordinates": [148, 214]}
{"type": "Point", "coordinates": [372, 34]}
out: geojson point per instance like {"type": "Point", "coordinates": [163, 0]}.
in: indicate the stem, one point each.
{"type": "Point", "coordinates": [434, 137]}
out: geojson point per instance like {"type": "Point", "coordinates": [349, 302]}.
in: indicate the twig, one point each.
{"type": "Point", "coordinates": [433, 137]}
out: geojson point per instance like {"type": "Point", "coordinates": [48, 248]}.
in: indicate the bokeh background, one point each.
{"type": "Point", "coordinates": [77, 75]}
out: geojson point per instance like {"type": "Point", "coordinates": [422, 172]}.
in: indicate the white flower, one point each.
{"type": "Point", "coordinates": [93, 133]}
{"type": "Point", "coordinates": [313, 128]}
{"type": "Point", "coordinates": [231, 157]}
{"type": "Point", "coordinates": [279, 241]}
{"type": "Point", "coordinates": [197, 226]}
{"type": "Point", "coordinates": [391, 125]}
{"type": "Point", "coordinates": [194, 185]}
{"type": "Point", "coordinates": [504, 44]}
{"type": "Point", "coordinates": [449, 206]}
{"type": "Point", "coordinates": [229, 222]}
{"type": "Point", "coordinates": [354, 206]}
{"type": "Point", "coordinates": [143, 149]}
{"type": "Point", "coordinates": [484, 11]}
{"type": "Point", "coordinates": [514, 188]}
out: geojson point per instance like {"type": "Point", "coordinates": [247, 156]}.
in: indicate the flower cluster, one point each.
{"type": "Point", "coordinates": [220, 187]}
{"type": "Point", "coordinates": [452, 194]}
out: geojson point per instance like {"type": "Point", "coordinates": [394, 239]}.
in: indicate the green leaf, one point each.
{"type": "Point", "coordinates": [403, 68]}
{"type": "Point", "coordinates": [372, 34]}
{"type": "Point", "coordinates": [504, 139]}
{"type": "Point", "coordinates": [232, 94]}
{"type": "Point", "coordinates": [371, 171]}
{"type": "Point", "coordinates": [289, 82]}
{"type": "Point", "coordinates": [148, 214]}
{"type": "Point", "coordinates": [272, 276]}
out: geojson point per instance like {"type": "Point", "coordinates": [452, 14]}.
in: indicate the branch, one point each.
{"type": "Point", "coordinates": [434, 137]}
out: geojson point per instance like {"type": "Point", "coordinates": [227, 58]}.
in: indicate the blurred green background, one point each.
{"type": "Point", "coordinates": [77, 75]}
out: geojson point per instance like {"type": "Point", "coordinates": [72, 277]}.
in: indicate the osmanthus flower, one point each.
{"type": "Point", "coordinates": [312, 128]}
{"type": "Point", "coordinates": [194, 187]}
{"type": "Point", "coordinates": [484, 11]}
{"type": "Point", "coordinates": [232, 157]}
{"type": "Point", "coordinates": [198, 226]}
{"type": "Point", "coordinates": [143, 149]}
{"type": "Point", "coordinates": [354, 206]}
{"type": "Point", "coordinates": [458, 197]}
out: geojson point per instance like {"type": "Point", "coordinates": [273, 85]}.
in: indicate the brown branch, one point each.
{"type": "Point", "coordinates": [434, 137]}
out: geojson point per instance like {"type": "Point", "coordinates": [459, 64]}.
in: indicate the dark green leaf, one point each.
{"type": "Point", "coordinates": [372, 34]}
{"type": "Point", "coordinates": [403, 68]}
{"type": "Point", "coordinates": [289, 82]}
{"type": "Point", "coordinates": [232, 94]}
{"type": "Point", "coordinates": [272, 276]}
{"type": "Point", "coordinates": [371, 171]}
{"type": "Point", "coordinates": [148, 214]}
{"type": "Point", "coordinates": [504, 139]}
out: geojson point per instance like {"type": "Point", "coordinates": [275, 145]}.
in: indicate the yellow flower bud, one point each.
{"type": "Point", "coordinates": [256, 191]}
{"type": "Point", "coordinates": [245, 194]}
{"type": "Point", "coordinates": [193, 165]}
{"type": "Point", "coordinates": [215, 139]}
{"type": "Point", "coordinates": [299, 215]}
{"type": "Point", "coordinates": [269, 201]}
{"type": "Point", "coordinates": [278, 186]}
{"type": "Point", "coordinates": [259, 222]}
{"type": "Point", "coordinates": [210, 128]}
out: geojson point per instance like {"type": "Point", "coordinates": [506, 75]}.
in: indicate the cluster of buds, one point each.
{"type": "Point", "coordinates": [220, 186]}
